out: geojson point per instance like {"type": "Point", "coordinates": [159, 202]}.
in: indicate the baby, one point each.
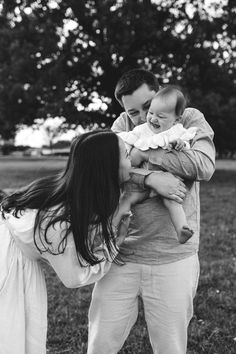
{"type": "Point", "coordinates": [163, 129]}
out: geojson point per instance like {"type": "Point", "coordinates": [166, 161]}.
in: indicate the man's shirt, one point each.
{"type": "Point", "coordinates": [152, 238]}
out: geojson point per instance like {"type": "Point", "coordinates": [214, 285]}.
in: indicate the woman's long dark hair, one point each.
{"type": "Point", "coordinates": [84, 195]}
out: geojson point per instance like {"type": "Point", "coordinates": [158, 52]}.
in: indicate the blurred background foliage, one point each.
{"type": "Point", "coordinates": [65, 57]}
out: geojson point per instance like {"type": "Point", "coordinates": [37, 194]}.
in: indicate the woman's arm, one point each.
{"type": "Point", "coordinates": [69, 270]}
{"type": "Point", "coordinates": [67, 265]}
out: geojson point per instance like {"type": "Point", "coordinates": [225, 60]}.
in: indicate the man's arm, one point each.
{"type": "Point", "coordinates": [198, 163]}
{"type": "Point", "coordinates": [163, 183]}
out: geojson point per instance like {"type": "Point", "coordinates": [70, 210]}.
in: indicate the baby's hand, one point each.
{"type": "Point", "coordinates": [137, 157]}
{"type": "Point", "coordinates": [178, 144]}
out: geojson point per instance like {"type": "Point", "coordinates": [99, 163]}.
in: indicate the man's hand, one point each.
{"type": "Point", "coordinates": [167, 185]}
{"type": "Point", "coordinates": [138, 156]}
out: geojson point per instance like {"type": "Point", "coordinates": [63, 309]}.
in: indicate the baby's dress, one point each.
{"type": "Point", "coordinates": [23, 294]}
{"type": "Point", "coordinates": [143, 138]}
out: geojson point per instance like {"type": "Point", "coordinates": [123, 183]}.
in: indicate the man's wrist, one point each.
{"type": "Point", "coordinates": [138, 176]}
{"type": "Point", "coordinates": [148, 180]}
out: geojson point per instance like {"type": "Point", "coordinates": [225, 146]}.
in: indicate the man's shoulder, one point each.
{"type": "Point", "coordinates": [120, 123]}
{"type": "Point", "coordinates": [123, 117]}
{"type": "Point", "coordinates": [191, 112]}
{"type": "Point", "coordinates": [191, 116]}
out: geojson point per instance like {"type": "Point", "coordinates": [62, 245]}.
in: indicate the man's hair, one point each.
{"type": "Point", "coordinates": [132, 80]}
{"type": "Point", "coordinates": [181, 100]}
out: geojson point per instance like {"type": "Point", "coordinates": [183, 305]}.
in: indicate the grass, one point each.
{"type": "Point", "coordinates": [213, 327]}
{"type": "Point", "coordinates": [16, 172]}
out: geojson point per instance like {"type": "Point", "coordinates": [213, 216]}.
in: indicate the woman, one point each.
{"type": "Point", "coordinates": [69, 220]}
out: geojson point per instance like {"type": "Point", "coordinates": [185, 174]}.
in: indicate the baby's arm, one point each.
{"type": "Point", "coordinates": [132, 194]}
{"type": "Point", "coordinates": [138, 157]}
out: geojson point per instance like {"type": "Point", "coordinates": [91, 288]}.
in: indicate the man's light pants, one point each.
{"type": "Point", "coordinates": [167, 291]}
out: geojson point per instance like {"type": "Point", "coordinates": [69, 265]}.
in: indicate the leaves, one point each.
{"type": "Point", "coordinates": [66, 51]}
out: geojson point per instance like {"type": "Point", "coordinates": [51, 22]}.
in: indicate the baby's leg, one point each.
{"type": "Point", "coordinates": [131, 195]}
{"type": "Point", "coordinates": [179, 220]}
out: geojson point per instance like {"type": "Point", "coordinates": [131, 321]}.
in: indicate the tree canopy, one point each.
{"type": "Point", "coordinates": [65, 57]}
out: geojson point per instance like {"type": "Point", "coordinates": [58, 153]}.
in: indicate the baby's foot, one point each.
{"type": "Point", "coordinates": [185, 234]}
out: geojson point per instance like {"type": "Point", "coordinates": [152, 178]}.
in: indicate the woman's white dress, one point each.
{"type": "Point", "coordinates": [23, 295]}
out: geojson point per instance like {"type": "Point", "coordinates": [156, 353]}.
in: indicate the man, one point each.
{"type": "Point", "coordinates": [157, 268]}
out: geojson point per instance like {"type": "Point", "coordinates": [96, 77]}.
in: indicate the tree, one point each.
{"type": "Point", "coordinates": [66, 54]}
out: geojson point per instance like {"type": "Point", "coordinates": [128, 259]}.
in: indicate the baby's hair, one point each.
{"type": "Point", "coordinates": [181, 101]}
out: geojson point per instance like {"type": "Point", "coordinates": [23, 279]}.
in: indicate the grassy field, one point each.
{"type": "Point", "coordinates": [213, 327]}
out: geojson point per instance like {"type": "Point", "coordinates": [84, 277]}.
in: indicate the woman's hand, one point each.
{"type": "Point", "coordinates": [122, 229]}
{"type": "Point", "coordinates": [123, 214]}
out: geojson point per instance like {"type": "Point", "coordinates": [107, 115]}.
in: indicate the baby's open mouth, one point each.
{"type": "Point", "coordinates": [155, 125]}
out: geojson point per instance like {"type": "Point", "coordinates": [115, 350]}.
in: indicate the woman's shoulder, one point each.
{"type": "Point", "coordinates": [21, 225]}
{"type": "Point", "coordinates": [22, 221]}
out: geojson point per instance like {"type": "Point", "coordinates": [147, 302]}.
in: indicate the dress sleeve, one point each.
{"type": "Point", "coordinates": [67, 266]}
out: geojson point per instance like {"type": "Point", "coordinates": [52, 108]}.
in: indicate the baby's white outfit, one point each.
{"type": "Point", "coordinates": [143, 138]}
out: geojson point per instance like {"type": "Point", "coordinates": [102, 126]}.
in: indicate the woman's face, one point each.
{"type": "Point", "coordinates": [125, 164]}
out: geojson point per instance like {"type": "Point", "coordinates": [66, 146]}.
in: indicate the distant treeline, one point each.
{"type": "Point", "coordinates": [56, 57]}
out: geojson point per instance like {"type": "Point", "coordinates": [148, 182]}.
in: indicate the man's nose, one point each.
{"type": "Point", "coordinates": [143, 115]}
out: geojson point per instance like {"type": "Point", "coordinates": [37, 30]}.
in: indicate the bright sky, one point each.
{"type": "Point", "coordinates": [37, 138]}
{"type": "Point", "coordinates": [30, 137]}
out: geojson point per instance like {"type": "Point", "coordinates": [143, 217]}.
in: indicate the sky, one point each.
{"type": "Point", "coordinates": [36, 138]}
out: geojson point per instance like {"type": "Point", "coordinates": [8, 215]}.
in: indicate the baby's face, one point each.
{"type": "Point", "coordinates": [161, 115]}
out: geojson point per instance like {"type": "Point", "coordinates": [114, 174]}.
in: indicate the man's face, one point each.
{"type": "Point", "coordinates": [137, 104]}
